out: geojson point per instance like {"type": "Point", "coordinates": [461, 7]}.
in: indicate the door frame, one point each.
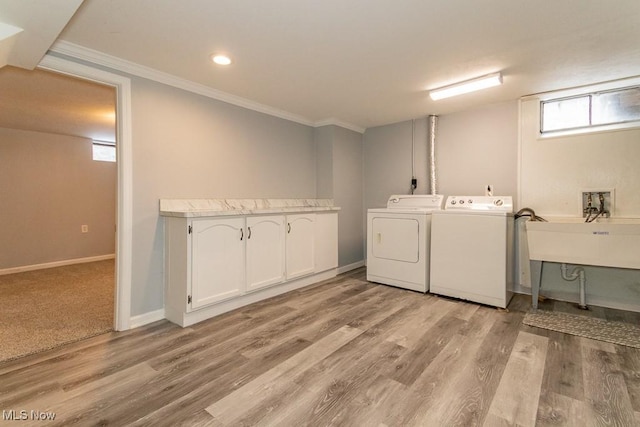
{"type": "Point", "coordinates": [124, 201]}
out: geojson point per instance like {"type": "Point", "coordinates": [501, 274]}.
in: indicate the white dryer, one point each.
{"type": "Point", "coordinates": [472, 249]}
{"type": "Point", "coordinates": [398, 241]}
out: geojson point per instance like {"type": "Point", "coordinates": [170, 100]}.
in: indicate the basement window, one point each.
{"type": "Point", "coordinates": [104, 151]}
{"type": "Point", "coordinates": [605, 110]}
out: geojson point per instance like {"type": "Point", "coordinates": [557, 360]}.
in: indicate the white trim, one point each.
{"type": "Point", "coordinates": [336, 122]}
{"type": "Point", "coordinates": [350, 267]}
{"type": "Point", "coordinates": [124, 236]}
{"type": "Point", "coordinates": [54, 264]}
{"type": "Point", "coordinates": [95, 57]}
{"type": "Point", "coordinates": [519, 160]}
{"type": "Point", "coordinates": [584, 90]}
{"type": "Point", "coordinates": [146, 318]}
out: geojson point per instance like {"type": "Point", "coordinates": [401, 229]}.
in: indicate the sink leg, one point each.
{"type": "Point", "coordinates": [536, 277]}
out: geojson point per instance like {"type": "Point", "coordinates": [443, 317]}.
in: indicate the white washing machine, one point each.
{"type": "Point", "coordinates": [398, 241]}
{"type": "Point", "coordinates": [472, 249]}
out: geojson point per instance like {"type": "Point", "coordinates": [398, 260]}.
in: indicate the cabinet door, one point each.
{"type": "Point", "coordinates": [217, 260]}
{"type": "Point", "coordinates": [300, 245]}
{"type": "Point", "coordinates": [326, 241]}
{"type": "Point", "coordinates": [265, 251]}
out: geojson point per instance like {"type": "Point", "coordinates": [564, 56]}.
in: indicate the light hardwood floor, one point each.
{"type": "Point", "coordinates": [344, 352]}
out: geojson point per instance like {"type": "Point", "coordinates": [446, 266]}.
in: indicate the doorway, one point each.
{"type": "Point", "coordinates": [58, 238]}
{"type": "Point", "coordinates": [101, 264]}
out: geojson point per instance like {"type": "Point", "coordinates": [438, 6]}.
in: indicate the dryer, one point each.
{"type": "Point", "coordinates": [472, 249]}
{"type": "Point", "coordinates": [398, 239]}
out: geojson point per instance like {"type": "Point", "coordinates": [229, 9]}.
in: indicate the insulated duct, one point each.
{"type": "Point", "coordinates": [433, 120]}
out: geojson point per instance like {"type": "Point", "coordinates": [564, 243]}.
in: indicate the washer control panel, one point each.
{"type": "Point", "coordinates": [480, 203]}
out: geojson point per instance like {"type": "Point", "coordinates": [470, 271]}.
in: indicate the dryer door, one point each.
{"type": "Point", "coordinates": [395, 239]}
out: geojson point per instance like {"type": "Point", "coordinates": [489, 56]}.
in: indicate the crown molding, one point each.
{"type": "Point", "coordinates": [99, 58]}
{"type": "Point", "coordinates": [336, 122]}
{"type": "Point", "coordinates": [81, 53]}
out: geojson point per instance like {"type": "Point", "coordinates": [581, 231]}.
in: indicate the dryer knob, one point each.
{"type": "Point", "coordinates": [498, 202]}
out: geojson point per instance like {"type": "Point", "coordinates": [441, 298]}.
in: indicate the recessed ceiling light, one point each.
{"type": "Point", "coordinates": [221, 59]}
{"type": "Point", "coordinates": [466, 86]}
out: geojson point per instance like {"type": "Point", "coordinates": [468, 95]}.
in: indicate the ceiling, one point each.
{"type": "Point", "coordinates": [365, 63]}
{"type": "Point", "coordinates": [43, 101]}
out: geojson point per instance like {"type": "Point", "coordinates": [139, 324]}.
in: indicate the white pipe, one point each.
{"type": "Point", "coordinates": [576, 273]}
{"type": "Point", "coordinates": [432, 152]}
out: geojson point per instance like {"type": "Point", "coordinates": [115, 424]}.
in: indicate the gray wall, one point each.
{"type": "Point", "coordinates": [49, 187]}
{"type": "Point", "coordinates": [388, 161]}
{"type": "Point", "coordinates": [339, 165]}
{"type": "Point", "coordinates": [473, 148]}
{"type": "Point", "coordinates": [476, 148]}
{"type": "Point", "coordinates": [190, 146]}
{"type": "Point", "coordinates": [323, 137]}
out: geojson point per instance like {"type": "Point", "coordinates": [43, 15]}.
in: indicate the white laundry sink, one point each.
{"type": "Point", "coordinates": [608, 242]}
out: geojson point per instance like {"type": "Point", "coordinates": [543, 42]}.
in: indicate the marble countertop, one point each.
{"type": "Point", "coordinates": [188, 208]}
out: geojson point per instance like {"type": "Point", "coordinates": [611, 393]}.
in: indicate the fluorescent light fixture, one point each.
{"type": "Point", "coordinates": [221, 59]}
{"type": "Point", "coordinates": [466, 86]}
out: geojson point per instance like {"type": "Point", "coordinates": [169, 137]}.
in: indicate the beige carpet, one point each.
{"type": "Point", "coordinates": [597, 329]}
{"type": "Point", "coordinates": [44, 309]}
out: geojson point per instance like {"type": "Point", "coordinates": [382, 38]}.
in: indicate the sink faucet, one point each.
{"type": "Point", "coordinates": [590, 209]}
{"type": "Point", "coordinates": [602, 210]}
{"type": "Point", "coordinates": [591, 212]}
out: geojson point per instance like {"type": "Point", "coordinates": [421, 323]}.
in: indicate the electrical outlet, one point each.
{"type": "Point", "coordinates": [84, 228]}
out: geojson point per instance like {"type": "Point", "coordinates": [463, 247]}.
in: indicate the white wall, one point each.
{"type": "Point", "coordinates": [49, 187]}
{"type": "Point", "coordinates": [555, 170]}
{"type": "Point", "coordinates": [553, 173]}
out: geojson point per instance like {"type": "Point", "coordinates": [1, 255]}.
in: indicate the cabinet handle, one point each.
{"type": "Point", "coordinates": [288, 227]}
{"type": "Point", "coordinates": [249, 233]}
{"type": "Point", "coordinates": [241, 233]}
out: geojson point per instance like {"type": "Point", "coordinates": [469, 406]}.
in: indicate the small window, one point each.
{"type": "Point", "coordinates": [616, 106]}
{"type": "Point", "coordinates": [104, 151]}
{"type": "Point", "coordinates": [591, 111]}
{"type": "Point", "coordinates": [568, 113]}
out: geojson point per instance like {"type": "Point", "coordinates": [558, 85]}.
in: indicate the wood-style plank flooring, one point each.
{"type": "Point", "coordinates": [344, 352]}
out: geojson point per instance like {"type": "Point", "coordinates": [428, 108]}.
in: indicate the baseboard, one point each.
{"type": "Point", "coordinates": [185, 319]}
{"type": "Point", "coordinates": [146, 318]}
{"type": "Point", "coordinates": [62, 263]}
{"type": "Point", "coordinates": [350, 267]}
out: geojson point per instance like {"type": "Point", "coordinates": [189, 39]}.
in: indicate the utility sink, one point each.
{"type": "Point", "coordinates": [608, 242]}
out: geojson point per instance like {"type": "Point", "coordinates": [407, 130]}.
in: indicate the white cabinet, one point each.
{"type": "Point", "coordinates": [219, 263]}
{"type": "Point", "coordinates": [300, 245]}
{"type": "Point", "coordinates": [217, 260]}
{"type": "Point", "coordinates": [265, 251]}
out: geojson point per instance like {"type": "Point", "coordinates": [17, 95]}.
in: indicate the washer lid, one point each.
{"type": "Point", "coordinates": [415, 201]}
{"type": "Point", "coordinates": [479, 203]}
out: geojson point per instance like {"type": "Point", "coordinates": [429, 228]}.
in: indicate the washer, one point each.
{"type": "Point", "coordinates": [472, 249]}
{"type": "Point", "coordinates": [398, 241]}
